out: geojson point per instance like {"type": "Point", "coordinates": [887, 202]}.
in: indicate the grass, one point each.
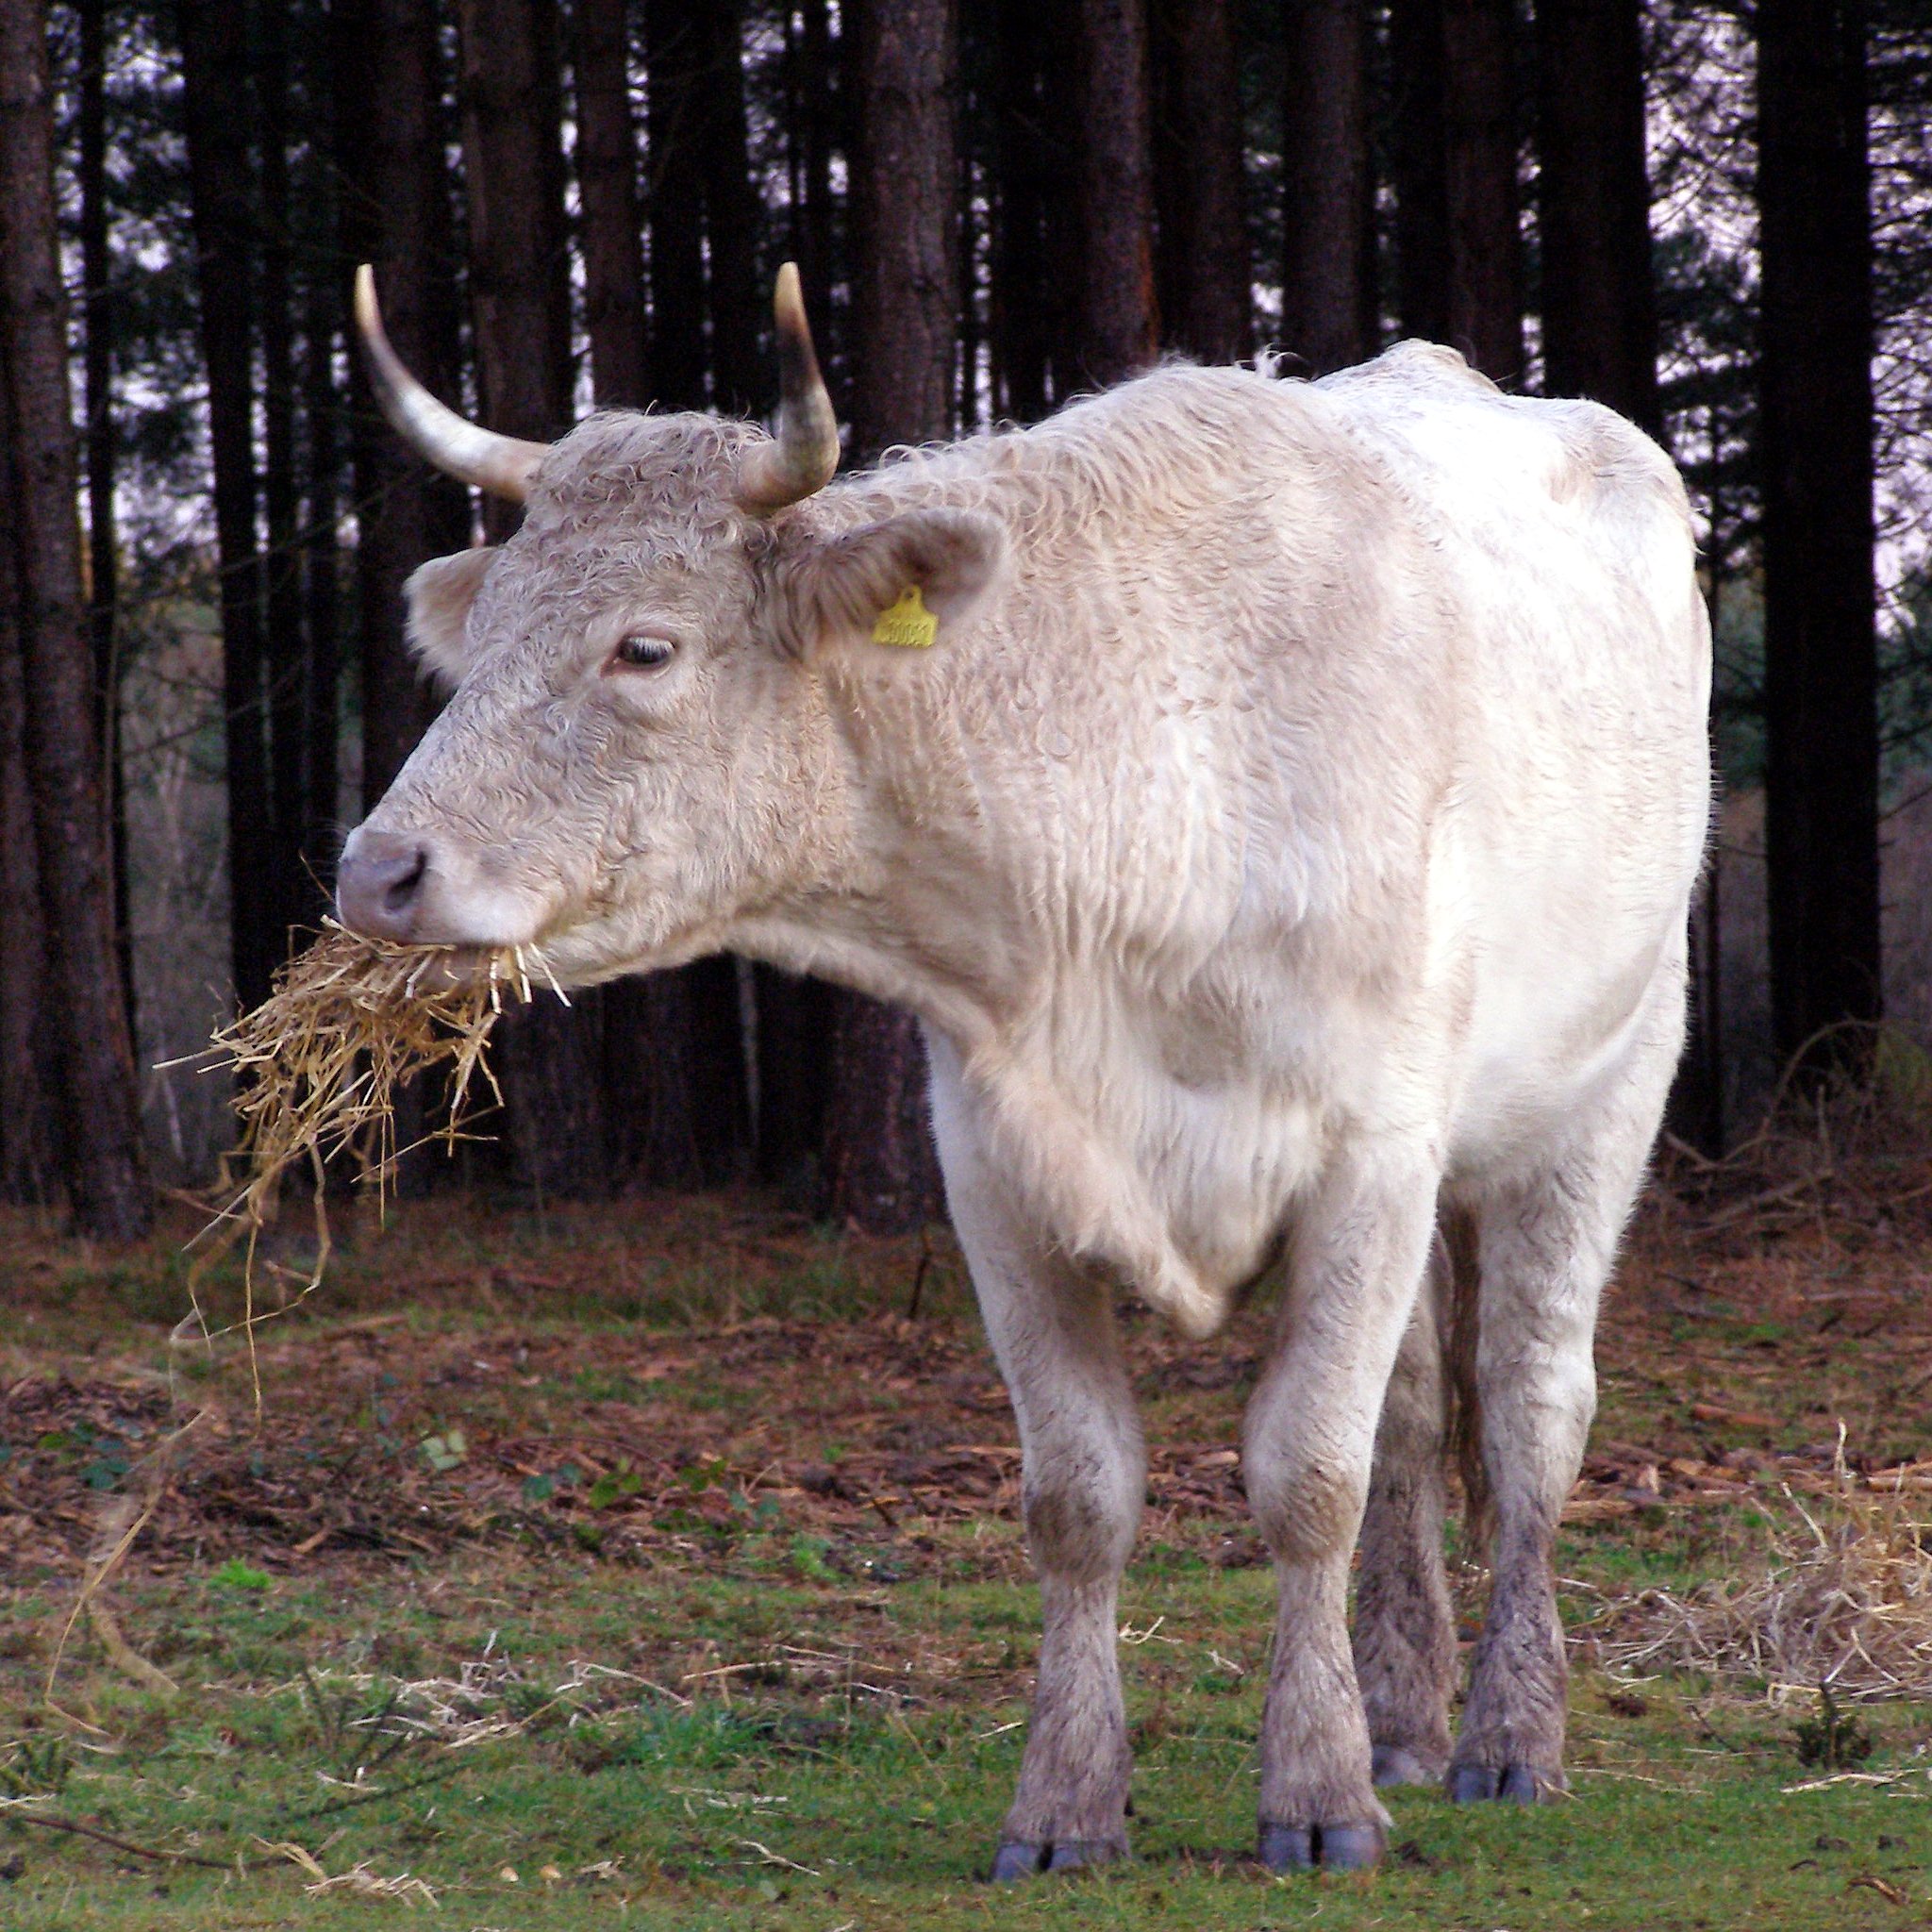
{"type": "Point", "coordinates": [850, 1770]}
{"type": "Point", "coordinates": [710, 1609]}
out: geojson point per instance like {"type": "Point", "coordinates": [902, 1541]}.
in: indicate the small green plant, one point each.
{"type": "Point", "coordinates": [237, 1576]}
{"type": "Point", "coordinates": [446, 1451]}
{"type": "Point", "coordinates": [34, 1767]}
{"type": "Point", "coordinates": [613, 1485]}
{"type": "Point", "coordinates": [1835, 1740]}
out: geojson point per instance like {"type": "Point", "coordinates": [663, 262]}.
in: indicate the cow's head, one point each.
{"type": "Point", "coordinates": [643, 741]}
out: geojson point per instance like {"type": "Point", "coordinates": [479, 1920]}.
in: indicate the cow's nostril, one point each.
{"type": "Point", "coordinates": [379, 886]}
{"type": "Point", "coordinates": [406, 875]}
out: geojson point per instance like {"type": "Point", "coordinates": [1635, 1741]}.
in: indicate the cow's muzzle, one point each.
{"type": "Point", "coordinates": [379, 885]}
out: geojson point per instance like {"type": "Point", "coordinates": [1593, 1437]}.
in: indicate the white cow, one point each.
{"type": "Point", "coordinates": [1281, 802]}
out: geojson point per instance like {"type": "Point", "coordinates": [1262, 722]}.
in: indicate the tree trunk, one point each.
{"type": "Point", "coordinates": [1202, 279]}
{"type": "Point", "coordinates": [322, 482]}
{"type": "Point", "coordinates": [1116, 326]}
{"type": "Point", "coordinates": [1030, 155]}
{"type": "Point", "coordinates": [103, 543]}
{"type": "Point", "coordinates": [282, 564]}
{"type": "Point", "coordinates": [103, 1132]}
{"type": "Point", "coordinates": [550, 1054]}
{"type": "Point", "coordinates": [1327, 247]}
{"type": "Point", "coordinates": [732, 215]}
{"type": "Point", "coordinates": [1485, 225]}
{"type": "Point", "coordinates": [675, 45]}
{"type": "Point", "coordinates": [879, 1169]}
{"type": "Point", "coordinates": [1815, 404]}
{"type": "Point", "coordinates": [608, 189]}
{"type": "Point", "coordinates": [397, 216]}
{"type": "Point", "coordinates": [27, 1162]}
{"type": "Point", "coordinates": [1599, 300]}
{"type": "Point", "coordinates": [1419, 159]}
{"type": "Point", "coordinates": [216, 118]}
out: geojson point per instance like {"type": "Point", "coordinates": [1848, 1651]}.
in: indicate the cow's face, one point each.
{"type": "Point", "coordinates": [641, 746]}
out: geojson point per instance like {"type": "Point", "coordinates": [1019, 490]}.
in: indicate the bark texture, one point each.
{"type": "Point", "coordinates": [1479, 172]}
{"type": "Point", "coordinates": [1115, 327]}
{"type": "Point", "coordinates": [1201, 269]}
{"type": "Point", "coordinates": [1327, 286]}
{"type": "Point", "coordinates": [216, 118]}
{"type": "Point", "coordinates": [1599, 297]}
{"type": "Point", "coordinates": [674, 42]}
{"type": "Point", "coordinates": [105, 1183]}
{"type": "Point", "coordinates": [1815, 402]}
{"type": "Point", "coordinates": [607, 157]}
{"type": "Point", "coordinates": [1419, 156]}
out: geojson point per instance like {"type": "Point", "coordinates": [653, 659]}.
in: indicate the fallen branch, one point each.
{"type": "Point", "coordinates": [78, 1829]}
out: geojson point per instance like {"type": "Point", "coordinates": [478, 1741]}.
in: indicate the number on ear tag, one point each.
{"type": "Point", "coordinates": [908, 625]}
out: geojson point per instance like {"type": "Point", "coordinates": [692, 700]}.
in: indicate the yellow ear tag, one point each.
{"type": "Point", "coordinates": [908, 625]}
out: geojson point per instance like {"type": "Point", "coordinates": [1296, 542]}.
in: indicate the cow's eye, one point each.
{"type": "Point", "coordinates": [642, 652]}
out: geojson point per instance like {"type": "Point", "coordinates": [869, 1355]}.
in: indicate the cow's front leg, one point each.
{"type": "Point", "coordinates": [1356, 1263]}
{"type": "Point", "coordinates": [1084, 1476]}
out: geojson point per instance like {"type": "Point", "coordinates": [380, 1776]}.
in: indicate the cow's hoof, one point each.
{"type": "Point", "coordinates": [1396, 1764]}
{"type": "Point", "coordinates": [1503, 1784]}
{"type": "Point", "coordinates": [1333, 1847]}
{"type": "Point", "coordinates": [1020, 1858]}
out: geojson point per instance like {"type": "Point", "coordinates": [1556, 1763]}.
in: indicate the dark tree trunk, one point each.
{"type": "Point", "coordinates": [1479, 171]}
{"type": "Point", "coordinates": [105, 1183]}
{"type": "Point", "coordinates": [880, 1171]}
{"type": "Point", "coordinates": [905, 182]}
{"type": "Point", "coordinates": [1030, 164]}
{"type": "Point", "coordinates": [282, 564]}
{"type": "Point", "coordinates": [608, 189]}
{"type": "Point", "coordinates": [1327, 259]}
{"type": "Point", "coordinates": [732, 215]}
{"type": "Point", "coordinates": [1815, 404]}
{"type": "Point", "coordinates": [322, 482]}
{"type": "Point", "coordinates": [516, 223]}
{"type": "Point", "coordinates": [794, 1047]}
{"type": "Point", "coordinates": [1200, 260]}
{"type": "Point", "coordinates": [1419, 161]}
{"type": "Point", "coordinates": [1116, 329]}
{"type": "Point", "coordinates": [103, 543]}
{"type": "Point", "coordinates": [216, 117]}
{"type": "Point", "coordinates": [1599, 299]}
{"type": "Point", "coordinates": [675, 45]}
{"type": "Point", "coordinates": [550, 1054]}
{"type": "Point", "coordinates": [397, 216]}
{"type": "Point", "coordinates": [27, 1164]}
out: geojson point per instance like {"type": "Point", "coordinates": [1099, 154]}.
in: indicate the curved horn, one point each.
{"type": "Point", "coordinates": [806, 453]}
{"type": "Point", "coordinates": [503, 466]}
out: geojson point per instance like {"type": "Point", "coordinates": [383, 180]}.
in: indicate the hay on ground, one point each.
{"type": "Point", "coordinates": [1845, 1603]}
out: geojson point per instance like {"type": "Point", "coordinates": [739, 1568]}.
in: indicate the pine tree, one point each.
{"type": "Point", "coordinates": [102, 1137]}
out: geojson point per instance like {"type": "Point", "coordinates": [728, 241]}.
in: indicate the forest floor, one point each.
{"type": "Point", "coordinates": [660, 1566]}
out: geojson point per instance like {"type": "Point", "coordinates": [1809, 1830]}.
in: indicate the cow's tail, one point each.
{"type": "Point", "coordinates": [1458, 1328]}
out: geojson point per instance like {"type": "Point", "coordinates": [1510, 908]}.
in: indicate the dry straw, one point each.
{"type": "Point", "coordinates": [318, 1064]}
{"type": "Point", "coordinates": [1845, 1602]}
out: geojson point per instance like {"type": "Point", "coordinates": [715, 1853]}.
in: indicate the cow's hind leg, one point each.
{"type": "Point", "coordinates": [1546, 1242]}
{"type": "Point", "coordinates": [1356, 1263]}
{"type": "Point", "coordinates": [1084, 1476]}
{"type": "Point", "coordinates": [1405, 1639]}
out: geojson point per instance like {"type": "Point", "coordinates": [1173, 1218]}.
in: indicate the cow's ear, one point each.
{"type": "Point", "coordinates": [910, 581]}
{"type": "Point", "coordinates": [440, 594]}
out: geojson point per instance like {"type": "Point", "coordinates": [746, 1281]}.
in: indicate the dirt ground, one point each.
{"type": "Point", "coordinates": [651, 1383]}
